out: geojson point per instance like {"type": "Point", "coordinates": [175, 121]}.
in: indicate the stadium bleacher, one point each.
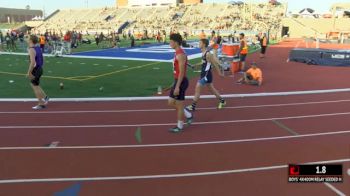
{"type": "Point", "coordinates": [256, 17]}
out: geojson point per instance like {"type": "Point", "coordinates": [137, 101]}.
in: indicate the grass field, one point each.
{"type": "Point", "coordinates": [85, 77]}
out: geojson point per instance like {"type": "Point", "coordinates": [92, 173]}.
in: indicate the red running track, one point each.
{"type": "Point", "coordinates": [246, 135]}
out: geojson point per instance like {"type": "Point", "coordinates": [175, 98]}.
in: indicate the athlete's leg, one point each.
{"type": "Point", "coordinates": [213, 90]}
{"type": "Point", "coordinates": [197, 95]}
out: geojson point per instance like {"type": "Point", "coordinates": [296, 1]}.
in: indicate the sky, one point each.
{"type": "Point", "coordinates": [50, 6]}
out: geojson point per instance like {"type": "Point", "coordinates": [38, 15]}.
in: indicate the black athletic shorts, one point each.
{"type": "Point", "coordinates": [182, 92]}
{"type": "Point", "coordinates": [206, 78]}
{"type": "Point", "coordinates": [242, 57]}
{"type": "Point", "coordinates": [37, 73]}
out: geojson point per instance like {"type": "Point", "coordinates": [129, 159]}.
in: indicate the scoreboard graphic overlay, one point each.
{"type": "Point", "coordinates": [331, 173]}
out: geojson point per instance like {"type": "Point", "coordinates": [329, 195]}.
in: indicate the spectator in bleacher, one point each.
{"type": "Point", "coordinates": [253, 76]}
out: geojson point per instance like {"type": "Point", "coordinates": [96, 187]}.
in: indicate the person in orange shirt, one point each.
{"type": "Point", "coordinates": [202, 35]}
{"type": "Point", "coordinates": [42, 43]}
{"type": "Point", "coordinates": [263, 43]}
{"type": "Point", "coordinates": [67, 41]}
{"type": "Point", "coordinates": [253, 76]}
{"type": "Point", "coordinates": [242, 52]}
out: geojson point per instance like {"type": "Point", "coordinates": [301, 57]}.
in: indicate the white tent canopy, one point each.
{"type": "Point", "coordinates": [307, 13]}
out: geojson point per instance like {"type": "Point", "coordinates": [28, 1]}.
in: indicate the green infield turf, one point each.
{"type": "Point", "coordinates": [85, 77]}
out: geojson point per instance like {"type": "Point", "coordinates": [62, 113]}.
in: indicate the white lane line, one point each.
{"type": "Point", "coordinates": [166, 110]}
{"type": "Point", "coordinates": [157, 98]}
{"type": "Point", "coordinates": [170, 124]}
{"type": "Point", "coordinates": [179, 175]}
{"type": "Point", "coordinates": [337, 191]}
{"type": "Point", "coordinates": [185, 144]}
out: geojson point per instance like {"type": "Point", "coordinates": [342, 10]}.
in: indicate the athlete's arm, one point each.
{"type": "Point", "coordinates": [32, 62]}
{"type": "Point", "coordinates": [182, 60]}
{"type": "Point", "coordinates": [214, 61]}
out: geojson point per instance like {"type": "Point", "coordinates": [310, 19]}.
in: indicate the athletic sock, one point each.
{"type": "Point", "coordinates": [180, 124]}
{"type": "Point", "coordinates": [194, 105]}
{"type": "Point", "coordinates": [221, 100]}
{"type": "Point", "coordinates": [187, 113]}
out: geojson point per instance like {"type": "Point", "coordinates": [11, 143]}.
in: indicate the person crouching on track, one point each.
{"type": "Point", "coordinates": [178, 90]}
{"type": "Point", "coordinates": [35, 71]}
{"type": "Point", "coordinates": [206, 78]}
{"type": "Point", "coordinates": [253, 76]}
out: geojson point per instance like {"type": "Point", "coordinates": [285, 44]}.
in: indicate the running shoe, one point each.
{"type": "Point", "coordinates": [221, 104]}
{"type": "Point", "coordinates": [190, 108]}
{"type": "Point", "coordinates": [175, 130]}
{"type": "Point", "coordinates": [38, 107]}
{"type": "Point", "coordinates": [189, 120]}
